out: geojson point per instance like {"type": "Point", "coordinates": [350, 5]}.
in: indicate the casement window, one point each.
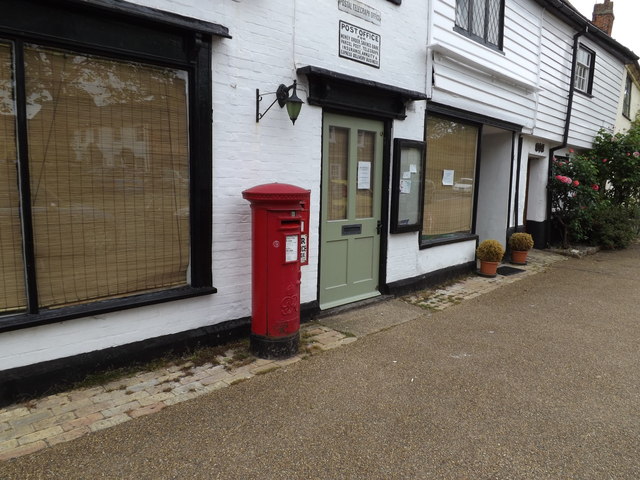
{"type": "Point", "coordinates": [626, 102]}
{"type": "Point", "coordinates": [482, 20]}
{"type": "Point", "coordinates": [583, 79]}
{"type": "Point", "coordinates": [450, 178]}
{"type": "Point", "coordinates": [102, 151]}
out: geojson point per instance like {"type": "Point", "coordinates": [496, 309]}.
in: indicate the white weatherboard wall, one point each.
{"type": "Point", "coordinates": [599, 110]}
{"type": "Point", "coordinates": [475, 78]}
{"type": "Point", "coordinates": [589, 113]}
{"type": "Point", "coordinates": [271, 39]}
{"type": "Point", "coordinates": [555, 73]}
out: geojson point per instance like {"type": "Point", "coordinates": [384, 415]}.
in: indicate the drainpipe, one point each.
{"type": "Point", "coordinates": [567, 125]}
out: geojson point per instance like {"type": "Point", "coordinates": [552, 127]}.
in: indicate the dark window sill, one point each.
{"type": "Point", "coordinates": [457, 238]}
{"type": "Point", "coordinates": [44, 317]}
{"type": "Point", "coordinates": [476, 38]}
{"type": "Point", "coordinates": [586, 94]}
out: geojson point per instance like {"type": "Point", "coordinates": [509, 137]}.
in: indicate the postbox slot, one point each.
{"type": "Point", "coordinates": [355, 229]}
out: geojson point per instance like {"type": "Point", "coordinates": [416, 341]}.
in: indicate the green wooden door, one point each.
{"type": "Point", "coordinates": [351, 197]}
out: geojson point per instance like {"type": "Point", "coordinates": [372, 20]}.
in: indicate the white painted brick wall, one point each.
{"type": "Point", "coordinates": [267, 47]}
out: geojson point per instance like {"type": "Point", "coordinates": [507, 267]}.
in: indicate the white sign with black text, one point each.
{"type": "Point", "coordinates": [359, 44]}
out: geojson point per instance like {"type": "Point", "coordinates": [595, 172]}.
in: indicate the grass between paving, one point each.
{"type": "Point", "coordinates": [232, 355]}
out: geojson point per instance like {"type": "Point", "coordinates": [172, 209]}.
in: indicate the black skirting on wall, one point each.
{"type": "Point", "coordinates": [427, 280]}
{"type": "Point", "coordinates": [30, 381]}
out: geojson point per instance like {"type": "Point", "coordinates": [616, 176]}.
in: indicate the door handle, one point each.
{"type": "Point", "coordinates": [379, 227]}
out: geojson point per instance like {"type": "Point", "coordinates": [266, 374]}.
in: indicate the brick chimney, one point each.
{"type": "Point", "coordinates": [603, 16]}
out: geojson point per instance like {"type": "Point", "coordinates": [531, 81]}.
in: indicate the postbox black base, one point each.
{"type": "Point", "coordinates": [274, 347]}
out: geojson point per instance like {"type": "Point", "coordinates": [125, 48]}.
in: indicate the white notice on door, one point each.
{"type": "Point", "coordinates": [291, 248]}
{"type": "Point", "coordinates": [364, 175]}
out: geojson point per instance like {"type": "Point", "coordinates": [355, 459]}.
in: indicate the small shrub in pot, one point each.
{"type": "Point", "coordinates": [490, 251]}
{"type": "Point", "coordinates": [521, 241]}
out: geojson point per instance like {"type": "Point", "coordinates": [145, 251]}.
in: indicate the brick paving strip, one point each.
{"type": "Point", "coordinates": [41, 423]}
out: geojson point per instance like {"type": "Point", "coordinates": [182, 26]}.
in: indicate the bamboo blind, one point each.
{"type": "Point", "coordinates": [12, 286]}
{"type": "Point", "coordinates": [109, 170]}
{"type": "Point", "coordinates": [450, 146]}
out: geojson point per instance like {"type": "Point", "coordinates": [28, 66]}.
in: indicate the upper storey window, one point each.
{"type": "Point", "coordinates": [583, 79]}
{"type": "Point", "coordinates": [626, 104]}
{"type": "Point", "coordinates": [482, 20]}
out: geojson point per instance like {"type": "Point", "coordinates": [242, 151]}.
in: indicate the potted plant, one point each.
{"type": "Point", "coordinates": [489, 252]}
{"type": "Point", "coordinates": [520, 243]}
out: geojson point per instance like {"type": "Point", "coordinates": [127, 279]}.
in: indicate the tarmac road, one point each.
{"type": "Point", "coordinates": [539, 379]}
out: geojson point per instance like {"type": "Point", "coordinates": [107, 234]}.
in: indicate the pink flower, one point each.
{"type": "Point", "coordinates": [571, 150]}
{"type": "Point", "coordinates": [636, 154]}
{"type": "Point", "coordinates": [576, 183]}
{"type": "Point", "coordinates": [604, 160]}
{"type": "Point", "coordinates": [595, 187]}
{"type": "Point", "coordinates": [563, 179]}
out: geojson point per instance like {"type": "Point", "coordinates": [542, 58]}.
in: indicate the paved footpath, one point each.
{"type": "Point", "coordinates": [538, 379]}
{"type": "Point", "coordinates": [38, 424]}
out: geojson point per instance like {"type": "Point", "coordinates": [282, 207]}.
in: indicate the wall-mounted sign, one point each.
{"type": "Point", "coordinates": [540, 147]}
{"type": "Point", "coordinates": [360, 10]}
{"type": "Point", "coordinates": [359, 45]}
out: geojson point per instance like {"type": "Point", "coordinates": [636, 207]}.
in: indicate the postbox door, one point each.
{"type": "Point", "coordinates": [283, 290]}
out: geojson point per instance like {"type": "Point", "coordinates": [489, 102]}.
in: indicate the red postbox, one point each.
{"type": "Point", "coordinates": [279, 220]}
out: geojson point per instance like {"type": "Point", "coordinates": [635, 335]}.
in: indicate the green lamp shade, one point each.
{"type": "Point", "coordinates": [294, 105]}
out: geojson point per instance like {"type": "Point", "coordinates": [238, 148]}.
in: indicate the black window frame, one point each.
{"type": "Point", "coordinates": [453, 237]}
{"type": "Point", "coordinates": [592, 67]}
{"type": "Point", "coordinates": [482, 39]}
{"type": "Point", "coordinates": [127, 32]}
{"type": "Point", "coordinates": [626, 101]}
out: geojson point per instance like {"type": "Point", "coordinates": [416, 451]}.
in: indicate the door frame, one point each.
{"type": "Point", "coordinates": [384, 192]}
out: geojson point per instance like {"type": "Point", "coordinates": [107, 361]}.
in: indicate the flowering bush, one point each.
{"type": "Point", "coordinates": [573, 193]}
{"type": "Point", "coordinates": [595, 196]}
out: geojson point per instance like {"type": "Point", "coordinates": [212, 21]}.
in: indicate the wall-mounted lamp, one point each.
{"type": "Point", "coordinates": [293, 102]}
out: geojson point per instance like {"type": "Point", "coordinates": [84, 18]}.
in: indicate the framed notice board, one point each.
{"type": "Point", "coordinates": [408, 185]}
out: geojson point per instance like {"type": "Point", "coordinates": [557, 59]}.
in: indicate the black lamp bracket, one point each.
{"type": "Point", "coordinates": [282, 94]}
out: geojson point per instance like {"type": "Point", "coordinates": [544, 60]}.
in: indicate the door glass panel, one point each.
{"type": "Point", "coordinates": [338, 173]}
{"type": "Point", "coordinates": [12, 289]}
{"type": "Point", "coordinates": [366, 157]}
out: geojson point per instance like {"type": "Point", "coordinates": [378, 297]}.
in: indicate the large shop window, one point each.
{"type": "Point", "coordinates": [96, 177]}
{"type": "Point", "coordinates": [450, 173]}
{"type": "Point", "coordinates": [482, 20]}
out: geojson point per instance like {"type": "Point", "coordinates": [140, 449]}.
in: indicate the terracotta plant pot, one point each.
{"type": "Point", "coordinates": [519, 257]}
{"type": "Point", "coordinates": [488, 269]}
